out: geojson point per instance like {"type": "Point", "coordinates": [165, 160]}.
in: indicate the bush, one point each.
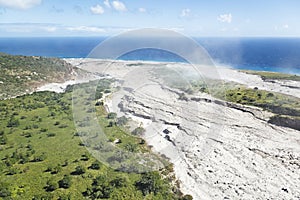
{"type": "Point", "coordinates": [13, 122]}
{"type": "Point", "coordinates": [150, 183]}
{"type": "Point", "coordinates": [51, 185]}
{"type": "Point", "coordinates": [3, 140]}
{"type": "Point", "coordinates": [112, 115]}
{"type": "Point", "coordinates": [79, 170]}
{"type": "Point", "coordinates": [51, 135]}
{"type": "Point", "coordinates": [39, 158]}
{"type": "Point", "coordinates": [119, 181]}
{"type": "Point", "coordinates": [138, 131]}
{"type": "Point", "coordinates": [131, 147]}
{"type": "Point", "coordinates": [65, 197]}
{"type": "Point", "coordinates": [65, 182]}
{"type": "Point", "coordinates": [101, 188]}
{"type": "Point", "coordinates": [56, 169]}
{"type": "Point", "coordinates": [95, 165]}
{"type": "Point", "coordinates": [4, 190]}
{"type": "Point", "coordinates": [121, 121]}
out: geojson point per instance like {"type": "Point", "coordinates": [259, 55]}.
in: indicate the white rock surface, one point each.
{"type": "Point", "coordinates": [219, 152]}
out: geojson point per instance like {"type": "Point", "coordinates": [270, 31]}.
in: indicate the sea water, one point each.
{"type": "Point", "coordinates": [262, 54]}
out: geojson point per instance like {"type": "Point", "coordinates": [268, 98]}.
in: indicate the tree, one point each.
{"type": "Point", "coordinates": [3, 140]}
{"type": "Point", "coordinates": [79, 170]}
{"type": "Point", "coordinates": [121, 121]}
{"type": "Point", "coordinates": [39, 158]}
{"type": "Point", "coordinates": [95, 165]}
{"type": "Point", "coordinates": [4, 190]}
{"type": "Point", "coordinates": [65, 197]}
{"type": "Point", "coordinates": [51, 185]}
{"type": "Point", "coordinates": [101, 188]}
{"type": "Point", "coordinates": [119, 181]}
{"type": "Point", "coordinates": [65, 182]}
{"type": "Point", "coordinates": [138, 131]}
{"type": "Point", "coordinates": [56, 169]}
{"type": "Point", "coordinates": [150, 182]}
{"type": "Point", "coordinates": [13, 122]}
{"type": "Point", "coordinates": [131, 147]}
{"type": "Point", "coordinates": [112, 115]}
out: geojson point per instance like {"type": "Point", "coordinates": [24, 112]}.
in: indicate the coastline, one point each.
{"type": "Point", "coordinates": [226, 73]}
{"type": "Point", "coordinates": [246, 135]}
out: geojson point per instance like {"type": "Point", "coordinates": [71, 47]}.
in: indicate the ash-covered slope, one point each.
{"type": "Point", "coordinates": [220, 150]}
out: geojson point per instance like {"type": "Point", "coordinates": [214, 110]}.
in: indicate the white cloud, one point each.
{"type": "Point", "coordinates": [285, 26]}
{"type": "Point", "coordinates": [119, 6]}
{"type": "Point", "coordinates": [106, 3]}
{"type": "Point", "coordinates": [19, 4]}
{"type": "Point", "coordinates": [226, 18]}
{"type": "Point", "coordinates": [97, 9]}
{"type": "Point", "coordinates": [185, 12]}
{"type": "Point", "coordinates": [281, 27]}
{"type": "Point", "coordinates": [86, 29]}
{"type": "Point", "coordinates": [49, 28]}
{"type": "Point", "coordinates": [28, 27]}
{"type": "Point", "coordinates": [142, 10]}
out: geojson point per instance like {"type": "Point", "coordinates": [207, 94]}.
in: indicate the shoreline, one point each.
{"type": "Point", "coordinates": [244, 134]}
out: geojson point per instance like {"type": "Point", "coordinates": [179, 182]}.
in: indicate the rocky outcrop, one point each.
{"type": "Point", "coordinates": [285, 121]}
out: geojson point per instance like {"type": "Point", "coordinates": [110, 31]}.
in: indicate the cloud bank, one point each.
{"type": "Point", "coordinates": [19, 4]}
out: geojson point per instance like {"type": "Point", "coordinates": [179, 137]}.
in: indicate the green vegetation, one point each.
{"type": "Point", "coordinates": [274, 102]}
{"type": "Point", "coordinates": [19, 74]}
{"type": "Point", "coordinates": [286, 108]}
{"type": "Point", "coordinates": [42, 157]}
{"type": "Point", "coordinates": [273, 75]}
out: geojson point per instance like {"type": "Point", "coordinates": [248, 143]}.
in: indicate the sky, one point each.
{"type": "Point", "coordinates": [201, 18]}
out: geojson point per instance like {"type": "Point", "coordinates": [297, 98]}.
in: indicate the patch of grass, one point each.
{"type": "Point", "coordinates": [286, 107]}
{"type": "Point", "coordinates": [273, 75]}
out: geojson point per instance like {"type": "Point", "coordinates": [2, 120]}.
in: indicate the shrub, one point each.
{"type": "Point", "coordinates": [95, 165]}
{"type": "Point", "coordinates": [39, 158]}
{"type": "Point", "coordinates": [121, 121]}
{"type": "Point", "coordinates": [3, 140]}
{"type": "Point", "coordinates": [65, 182]}
{"type": "Point", "coordinates": [51, 134]}
{"type": "Point", "coordinates": [150, 183]}
{"type": "Point", "coordinates": [138, 131]}
{"type": "Point", "coordinates": [51, 185]}
{"type": "Point", "coordinates": [131, 147]}
{"type": "Point", "coordinates": [112, 115]}
{"type": "Point", "coordinates": [4, 190]}
{"type": "Point", "coordinates": [79, 170]}
{"type": "Point", "coordinates": [119, 181]}
{"type": "Point", "coordinates": [13, 122]}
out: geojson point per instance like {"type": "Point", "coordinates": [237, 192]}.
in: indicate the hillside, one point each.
{"type": "Point", "coordinates": [22, 74]}
{"type": "Point", "coordinates": [42, 154]}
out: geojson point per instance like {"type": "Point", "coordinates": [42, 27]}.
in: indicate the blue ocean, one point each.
{"type": "Point", "coordinates": [262, 54]}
